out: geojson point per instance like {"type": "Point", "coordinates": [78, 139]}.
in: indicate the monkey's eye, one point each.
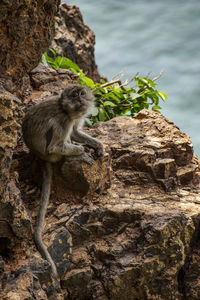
{"type": "Point", "coordinates": [82, 93]}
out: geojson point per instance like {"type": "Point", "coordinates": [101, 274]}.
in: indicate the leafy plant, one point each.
{"type": "Point", "coordinates": [112, 98]}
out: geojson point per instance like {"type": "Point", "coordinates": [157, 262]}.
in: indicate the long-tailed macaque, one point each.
{"type": "Point", "coordinates": [48, 130]}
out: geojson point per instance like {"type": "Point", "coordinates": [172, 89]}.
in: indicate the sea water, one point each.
{"type": "Point", "coordinates": [148, 36]}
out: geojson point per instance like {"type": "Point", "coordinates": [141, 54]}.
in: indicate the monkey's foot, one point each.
{"type": "Point", "coordinates": [82, 158]}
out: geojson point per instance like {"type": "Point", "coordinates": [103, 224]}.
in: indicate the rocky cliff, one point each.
{"type": "Point", "coordinates": [125, 227]}
{"type": "Point", "coordinates": [75, 40]}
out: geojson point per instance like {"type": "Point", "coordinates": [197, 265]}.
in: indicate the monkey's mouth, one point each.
{"type": "Point", "coordinates": [81, 107]}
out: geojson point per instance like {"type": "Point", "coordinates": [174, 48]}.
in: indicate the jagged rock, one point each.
{"type": "Point", "coordinates": [13, 216]}
{"type": "Point", "coordinates": [28, 282]}
{"type": "Point", "coordinates": [153, 147]}
{"type": "Point", "coordinates": [26, 29]}
{"type": "Point", "coordinates": [8, 137]}
{"type": "Point", "coordinates": [78, 45]}
{"type": "Point", "coordinates": [47, 82]}
{"type": "Point", "coordinates": [75, 40]}
{"type": "Point", "coordinates": [48, 79]}
{"type": "Point", "coordinates": [136, 238]}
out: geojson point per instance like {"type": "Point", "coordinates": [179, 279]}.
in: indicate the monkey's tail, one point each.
{"type": "Point", "coordinates": [44, 201]}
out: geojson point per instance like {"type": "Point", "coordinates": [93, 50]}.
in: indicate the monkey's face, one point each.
{"type": "Point", "coordinates": [77, 100]}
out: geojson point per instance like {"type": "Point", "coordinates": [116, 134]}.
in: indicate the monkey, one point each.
{"type": "Point", "coordinates": [48, 129]}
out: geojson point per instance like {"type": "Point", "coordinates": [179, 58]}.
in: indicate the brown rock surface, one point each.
{"type": "Point", "coordinates": [47, 81]}
{"type": "Point", "coordinates": [134, 239]}
{"type": "Point", "coordinates": [26, 30]}
{"type": "Point", "coordinates": [75, 40]}
{"type": "Point", "coordinates": [12, 213]}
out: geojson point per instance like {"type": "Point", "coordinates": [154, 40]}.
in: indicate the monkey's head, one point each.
{"type": "Point", "coordinates": [76, 100]}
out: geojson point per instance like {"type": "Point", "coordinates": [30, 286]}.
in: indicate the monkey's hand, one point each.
{"type": "Point", "coordinates": [81, 137]}
{"type": "Point", "coordinates": [99, 149]}
{"type": "Point", "coordinates": [96, 151]}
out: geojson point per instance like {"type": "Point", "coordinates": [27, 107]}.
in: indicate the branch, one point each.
{"type": "Point", "coordinates": [111, 83]}
{"type": "Point", "coordinates": [124, 84]}
{"type": "Point", "coordinates": [121, 85]}
{"type": "Point", "coordinates": [157, 77]}
{"type": "Point", "coordinates": [120, 73]}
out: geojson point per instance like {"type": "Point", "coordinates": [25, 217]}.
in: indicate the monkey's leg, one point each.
{"type": "Point", "coordinates": [44, 200]}
{"type": "Point", "coordinates": [79, 136]}
{"type": "Point", "coordinates": [66, 149]}
{"type": "Point", "coordinates": [57, 143]}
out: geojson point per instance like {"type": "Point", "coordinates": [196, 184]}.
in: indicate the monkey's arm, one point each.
{"type": "Point", "coordinates": [65, 149]}
{"type": "Point", "coordinates": [78, 136]}
{"type": "Point", "coordinates": [56, 145]}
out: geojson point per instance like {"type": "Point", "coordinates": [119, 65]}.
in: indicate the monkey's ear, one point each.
{"type": "Point", "coordinates": [61, 95]}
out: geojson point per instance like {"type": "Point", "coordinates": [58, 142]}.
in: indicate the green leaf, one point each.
{"type": "Point", "coordinates": [88, 122]}
{"type": "Point", "coordinates": [155, 107]}
{"type": "Point", "coordinates": [154, 97]}
{"type": "Point", "coordinates": [114, 96]}
{"type": "Point", "coordinates": [106, 103]}
{"type": "Point", "coordinates": [148, 82]}
{"type": "Point", "coordinates": [162, 95]}
{"type": "Point", "coordinates": [102, 80]}
{"type": "Point", "coordinates": [102, 116]}
{"type": "Point", "coordinates": [134, 95]}
{"type": "Point", "coordinates": [146, 105]}
{"type": "Point", "coordinates": [53, 51]}
{"type": "Point", "coordinates": [58, 61]}
{"type": "Point", "coordinates": [127, 112]}
{"type": "Point", "coordinates": [88, 81]}
{"type": "Point", "coordinates": [118, 93]}
{"type": "Point", "coordinates": [66, 63]}
{"type": "Point", "coordinates": [48, 58]}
